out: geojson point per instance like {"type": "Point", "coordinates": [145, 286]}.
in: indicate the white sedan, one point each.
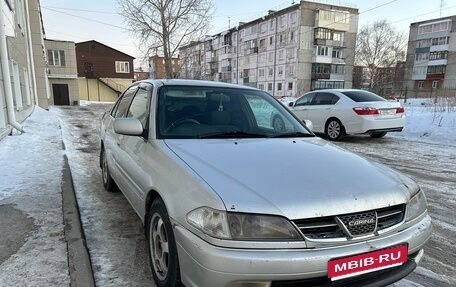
{"type": "Point", "coordinates": [339, 112]}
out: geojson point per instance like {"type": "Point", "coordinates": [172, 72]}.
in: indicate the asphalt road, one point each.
{"type": "Point", "coordinates": [114, 233]}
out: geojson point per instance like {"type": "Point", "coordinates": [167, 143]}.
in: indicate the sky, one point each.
{"type": "Point", "coordinates": [99, 20]}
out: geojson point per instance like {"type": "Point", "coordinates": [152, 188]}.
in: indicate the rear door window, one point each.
{"type": "Point", "coordinates": [323, 99]}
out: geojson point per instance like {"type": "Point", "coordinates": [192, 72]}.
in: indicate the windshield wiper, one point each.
{"type": "Point", "coordinates": [231, 134]}
{"type": "Point", "coordinates": [293, 135]}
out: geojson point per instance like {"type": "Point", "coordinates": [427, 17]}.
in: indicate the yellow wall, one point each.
{"type": "Point", "coordinates": [94, 90]}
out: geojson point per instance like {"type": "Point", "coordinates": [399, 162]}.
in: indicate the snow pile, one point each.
{"type": "Point", "coordinates": [430, 121]}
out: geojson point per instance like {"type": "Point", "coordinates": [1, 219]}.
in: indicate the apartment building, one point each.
{"type": "Point", "coordinates": [431, 55]}
{"type": "Point", "coordinates": [22, 73]}
{"type": "Point", "coordinates": [306, 46]}
{"type": "Point", "coordinates": [157, 67]}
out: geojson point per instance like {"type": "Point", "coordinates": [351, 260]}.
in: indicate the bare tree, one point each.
{"type": "Point", "coordinates": [162, 26]}
{"type": "Point", "coordinates": [379, 46]}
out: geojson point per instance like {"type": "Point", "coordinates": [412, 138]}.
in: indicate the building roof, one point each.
{"type": "Point", "coordinates": [93, 41]}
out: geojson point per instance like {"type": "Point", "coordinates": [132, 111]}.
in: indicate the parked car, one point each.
{"type": "Point", "coordinates": [338, 112]}
{"type": "Point", "coordinates": [228, 200]}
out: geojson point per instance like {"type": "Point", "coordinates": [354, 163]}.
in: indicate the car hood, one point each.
{"type": "Point", "coordinates": [295, 178]}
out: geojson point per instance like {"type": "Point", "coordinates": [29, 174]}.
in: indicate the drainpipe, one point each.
{"type": "Point", "coordinates": [30, 59]}
{"type": "Point", "coordinates": [7, 78]}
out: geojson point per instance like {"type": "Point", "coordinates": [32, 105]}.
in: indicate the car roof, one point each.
{"type": "Point", "coordinates": [181, 82]}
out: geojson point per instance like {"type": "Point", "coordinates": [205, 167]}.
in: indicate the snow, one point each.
{"type": "Point", "coordinates": [30, 180]}
{"type": "Point", "coordinates": [430, 121]}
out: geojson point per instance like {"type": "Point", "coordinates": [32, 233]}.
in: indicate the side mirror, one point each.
{"type": "Point", "coordinates": [128, 126]}
{"type": "Point", "coordinates": [308, 124]}
{"type": "Point", "coordinates": [290, 104]}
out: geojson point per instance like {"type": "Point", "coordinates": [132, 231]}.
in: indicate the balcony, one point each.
{"type": "Point", "coordinates": [321, 76]}
{"type": "Point", "coordinates": [225, 56]}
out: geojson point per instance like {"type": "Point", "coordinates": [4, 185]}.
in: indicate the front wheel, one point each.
{"type": "Point", "coordinates": [162, 247]}
{"type": "Point", "coordinates": [334, 130]}
{"type": "Point", "coordinates": [378, 135]}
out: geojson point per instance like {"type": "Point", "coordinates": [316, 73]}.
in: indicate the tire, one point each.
{"type": "Point", "coordinates": [108, 182]}
{"type": "Point", "coordinates": [378, 135]}
{"type": "Point", "coordinates": [162, 247]}
{"type": "Point", "coordinates": [334, 129]}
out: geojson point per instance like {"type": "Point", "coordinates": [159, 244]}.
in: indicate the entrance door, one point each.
{"type": "Point", "coordinates": [61, 95]}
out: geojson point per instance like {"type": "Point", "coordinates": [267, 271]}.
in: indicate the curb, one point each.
{"type": "Point", "coordinates": [80, 267]}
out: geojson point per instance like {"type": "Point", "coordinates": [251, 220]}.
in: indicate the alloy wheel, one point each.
{"type": "Point", "coordinates": [159, 247]}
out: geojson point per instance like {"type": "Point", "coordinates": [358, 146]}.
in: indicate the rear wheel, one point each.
{"type": "Point", "coordinates": [108, 182]}
{"type": "Point", "coordinates": [334, 129]}
{"type": "Point", "coordinates": [162, 247]}
{"type": "Point", "coordinates": [378, 135]}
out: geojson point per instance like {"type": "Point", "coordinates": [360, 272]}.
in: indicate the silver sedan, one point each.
{"type": "Point", "coordinates": [230, 199]}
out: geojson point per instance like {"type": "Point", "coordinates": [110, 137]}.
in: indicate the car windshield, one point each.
{"type": "Point", "coordinates": [213, 112]}
{"type": "Point", "coordinates": [363, 96]}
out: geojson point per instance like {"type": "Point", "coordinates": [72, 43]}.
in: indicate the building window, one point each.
{"type": "Point", "coordinates": [269, 87]}
{"type": "Point", "coordinates": [322, 51]}
{"type": "Point", "coordinates": [436, 69]}
{"type": "Point", "coordinates": [291, 36]}
{"type": "Point", "coordinates": [422, 57]}
{"type": "Point", "coordinates": [263, 27]}
{"type": "Point", "coordinates": [271, 40]}
{"type": "Point", "coordinates": [122, 67]}
{"type": "Point", "coordinates": [421, 84]}
{"type": "Point", "coordinates": [434, 27]}
{"type": "Point", "coordinates": [261, 72]}
{"type": "Point", "coordinates": [271, 71]}
{"type": "Point", "coordinates": [338, 69]}
{"type": "Point", "coordinates": [279, 86]}
{"type": "Point", "coordinates": [438, 55]}
{"type": "Point", "coordinates": [280, 68]}
{"type": "Point", "coordinates": [272, 26]}
{"type": "Point", "coordinates": [293, 17]}
{"type": "Point", "coordinates": [435, 84]}
{"type": "Point", "coordinates": [336, 53]}
{"type": "Point", "coordinates": [439, 41]}
{"type": "Point", "coordinates": [291, 69]}
{"type": "Point", "coordinates": [56, 58]}
{"type": "Point", "coordinates": [271, 57]}
{"type": "Point", "coordinates": [281, 55]}
{"type": "Point", "coordinates": [290, 86]}
{"type": "Point", "coordinates": [261, 86]}
{"type": "Point", "coordinates": [282, 20]}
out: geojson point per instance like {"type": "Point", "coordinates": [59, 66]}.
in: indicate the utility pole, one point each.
{"type": "Point", "coordinates": [441, 7]}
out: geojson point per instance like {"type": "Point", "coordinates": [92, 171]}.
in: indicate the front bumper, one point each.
{"type": "Point", "coordinates": [205, 265]}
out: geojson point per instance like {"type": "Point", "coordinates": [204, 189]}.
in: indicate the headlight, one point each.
{"type": "Point", "coordinates": [260, 227]}
{"type": "Point", "coordinates": [241, 226]}
{"type": "Point", "coordinates": [416, 206]}
{"type": "Point", "coordinates": [210, 221]}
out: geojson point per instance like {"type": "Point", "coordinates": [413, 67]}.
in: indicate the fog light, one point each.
{"type": "Point", "coordinates": [251, 284]}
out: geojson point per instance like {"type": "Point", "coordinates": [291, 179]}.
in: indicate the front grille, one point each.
{"type": "Point", "coordinates": [321, 228]}
{"type": "Point", "coordinates": [359, 223]}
